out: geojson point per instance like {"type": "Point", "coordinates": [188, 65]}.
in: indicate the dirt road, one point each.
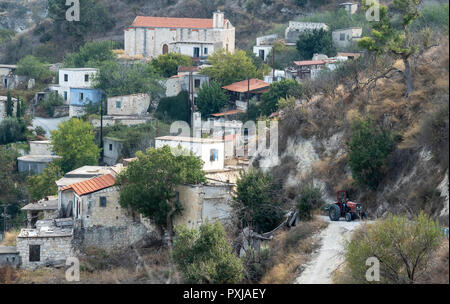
{"type": "Point", "coordinates": [330, 254]}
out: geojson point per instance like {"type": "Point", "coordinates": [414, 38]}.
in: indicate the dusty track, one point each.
{"type": "Point", "coordinates": [330, 254]}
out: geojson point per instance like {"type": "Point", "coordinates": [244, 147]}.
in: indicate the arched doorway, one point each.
{"type": "Point", "coordinates": [165, 49]}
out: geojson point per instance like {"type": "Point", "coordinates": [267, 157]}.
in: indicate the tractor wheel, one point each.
{"type": "Point", "coordinates": [334, 212]}
{"type": "Point", "coordinates": [348, 217]}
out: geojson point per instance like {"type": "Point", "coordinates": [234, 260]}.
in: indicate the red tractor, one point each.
{"type": "Point", "coordinates": [344, 208]}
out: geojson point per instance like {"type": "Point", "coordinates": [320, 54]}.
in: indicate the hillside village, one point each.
{"type": "Point", "coordinates": [126, 153]}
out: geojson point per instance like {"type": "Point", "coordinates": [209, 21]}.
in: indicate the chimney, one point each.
{"type": "Point", "coordinates": [218, 18]}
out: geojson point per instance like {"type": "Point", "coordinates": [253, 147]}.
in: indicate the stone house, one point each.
{"type": "Point", "coordinates": [264, 46]}
{"type": "Point", "coordinates": [349, 7]}
{"type": "Point", "coordinates": [46, 208]}
{"type": "Point", "coordinates": [130, 105]}
{"type": "Point", "coordinates": [9, 256]}
{"type": "Point", "coordinates": [38, 159]}
{"type": "Point", "coordinates": [3, 100]}
{"type": "Point", "coordinates": [188, 79]}
{"type": "Point", "coordinates": [49, 244]}
{"type": "Point", "coordinates": [150, 37]}
{"type": "Point", "coordinates": [295, 29]}
{"type": "Point", "coordinates": [211, 151]}
{"type": "Point", "coordinates": [112, 150]}
{"type": "Point", "coordinates": [346, 38]}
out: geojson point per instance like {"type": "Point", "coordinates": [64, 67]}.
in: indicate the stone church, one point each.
{"type": "Point", "coordinates": [150, 37]}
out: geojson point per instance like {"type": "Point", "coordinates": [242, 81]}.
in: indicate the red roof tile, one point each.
{"type": "Point", "coordinates": [309, 62]}
{"type": "Point", "coordinates": [242, 86]}
{"type": "Point", "coordinates": [231, 112]}
{"type": "Point", "coordinates": [194, 23]}
{"type": "Point", "coordinates": [92, 185]}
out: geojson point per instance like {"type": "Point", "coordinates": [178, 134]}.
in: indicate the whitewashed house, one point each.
{"type": "Point", "coordinates": [211, 151]}
{"type": "Point", "coordinates": [264, 45]}
{"type": "Point", "coordinates": [150, 37]}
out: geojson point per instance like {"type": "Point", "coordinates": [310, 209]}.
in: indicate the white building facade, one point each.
{"type": "Point", "coordinates": [211, 151]}
{"type": "Point", "coordinates": [150, 37]}
{"type": "Point", "coordinates": [345, 38]}
{"type": "Point", "coordinates": [73, 78]}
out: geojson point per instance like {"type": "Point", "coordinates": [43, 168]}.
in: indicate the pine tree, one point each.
{"type": "Point", "coordinates": [9, 105]}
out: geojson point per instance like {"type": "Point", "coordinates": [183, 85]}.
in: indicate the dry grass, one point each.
{"type": "Point", "coordinates": [438, 273]}
{"type": "Point", "coordinates": [291, 250]}
{"type": "Point", "coordinates": [8, 275]}
{"type": "Point", "coordinates": [10, 238]}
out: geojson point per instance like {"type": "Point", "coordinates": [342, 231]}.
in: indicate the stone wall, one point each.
{"type": "Point", "coordinates": [136, 104]}
{"type": "Point", "coordinates": [110, 237]}
{"type": "Point", "coordinates": [52, 250]}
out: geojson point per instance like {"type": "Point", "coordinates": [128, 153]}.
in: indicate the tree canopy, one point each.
{"type": "Point", "coordinates": [167, 65]}
{"type": "Point", "coordinates": [74, 142]}
{"type": "Point", "coordinates": [148, 184]}
{"type": "Point", "coordinates": [42, 185]}
{"type": "Point", "coordinates": [279, 89]}
{"type": "Point", "coordinates": [392, 34]}
{"type": "Point", "coordinates": [227, 68]}
{"type": "Point", "coordinates": [315, 42]}
{"type": "Point", "coordinates": [117, 79]}
{"type": "Point", "coordinates": [91, 55]}
{"type": "Point", "coordinates": [211, 98]}
{"type": "Point", "coordinates": [369, 149]}
{"type": "Point", "coordinates": [205, 255]}
{"type": "Point", "coordinates": [256, 203]}
{"type": "Point", "coordinates": [32, 67]}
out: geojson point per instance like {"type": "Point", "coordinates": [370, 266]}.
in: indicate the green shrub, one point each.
{"type": "Point", "coordinates": [174, 108]}
{"type": "Point", "coordinates": [12, 130]}
{"type": "Point", "coordinates": [369, 149]}
{"type": "Point", "coordinates": [32, 67]}
{"type": "Point", "coordinates": [309, 198]}
{"type": "Point", "coordinates": [205, 255]}
{"type": "Point", "coordinates": [51, 101]}
{"type": "Point", "coordinates": [211, 98]}
{"type": "Point", "coordinates": [256, 201]}
{"type": "Point", "coordinates": [403, 248]}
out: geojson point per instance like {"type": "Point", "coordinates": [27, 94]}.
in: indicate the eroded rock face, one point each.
{"type": "Point", "coordinates": [21, 15]}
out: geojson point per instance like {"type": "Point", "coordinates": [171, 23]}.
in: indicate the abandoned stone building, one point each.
{"type": "Point", "coordinates": [150, 37]}
{"type": "Point", "coordinates": [3, 100]}
{"type": "Point", "coordinates": [346, 38]}
{"type": "Point", "coordinates": [38, 158]}
{"type": "Point", "coordinates": [295, 29]}
{"type": "Point", "coordinates": [188, 79]}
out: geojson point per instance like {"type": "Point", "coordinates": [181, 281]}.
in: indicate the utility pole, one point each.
{"type": "Point", "coordinates": [273, 63]}
{"type": "Point", "coordinates": [5, 219]}
{"type": "Point", "coordinates": [248, 93]}
{"type": "Point", "coordinates": [101, 129]}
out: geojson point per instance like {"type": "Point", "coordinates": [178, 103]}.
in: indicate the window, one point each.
{"type": "Point", "coordinates": [102, 201]}
{"type": "Point", "coordinates": [66, 77]}
{"type": "Point", "coordinates": [81, 96]}
{"type": "Point", "coordinates": [196, 52]}
{"type": "Point", "coordinates": [118, 104]}
{"type": "Point", "coordinates": [110, 147]}
{"type": "Point", "coordinates": [65, 95]}
{"type": "Point", "coordinates": [86, 77]}
{"type": "Point", "coordinates": [205, 51]}
{"type": "Point", "coordinates": [197, 83]}
{"type": "Point", "coordinates": [342, 37]}
{"type": "Point", "coordinates": [213, 155]}
{"type": "Point", "coordinates": [35, 253]}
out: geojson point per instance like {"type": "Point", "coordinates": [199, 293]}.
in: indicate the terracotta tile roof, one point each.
{"type": "Point", "coordinates": [231, 112]}
{"type": "Point", "coordinates": [354, 55]}
{"type": "Point", "coordinates": [309, 62]}
{"type": "Point", "coordinates": [194, 23]}
{"type": "Point", "coordinates": [242, 86]}
{"type": "Point", "coordinates": [182, 69]}
{"type": "Point", "coordinates": [92, 185]}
